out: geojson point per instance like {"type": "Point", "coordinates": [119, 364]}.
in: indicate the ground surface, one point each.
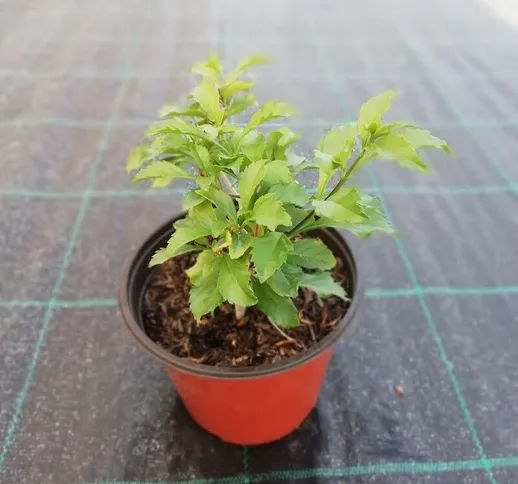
{"type": "Point", "coordinates": [81, 403]}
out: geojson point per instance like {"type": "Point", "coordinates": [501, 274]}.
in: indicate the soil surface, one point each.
{"type": "Point", "coordinates": [221, 341]}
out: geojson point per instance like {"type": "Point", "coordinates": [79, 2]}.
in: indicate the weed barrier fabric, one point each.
{"type": "Point", "coordinates": [423, 390]}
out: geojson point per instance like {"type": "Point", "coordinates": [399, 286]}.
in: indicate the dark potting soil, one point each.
{"type": "Point", "coordinates": [221, 341]}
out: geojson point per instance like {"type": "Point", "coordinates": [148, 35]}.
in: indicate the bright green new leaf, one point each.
{"type": "Point", "coordinates": [372, 110]}
{"type": "Point", "coordinates": [249, 181]}
{"type": "Point", "coordinates": [162, 173]}
{"type": "Point", "coordinates": [267, 112]}
{"type": "Point", "coordinates": [204, 182]}
{"type": "Point", "coordinates": [269, 252]}
{"type": "Point", "coordinates": [234, 281]}
{"type": "Point", "coordinates": [168, 144]}
{"type": "Point", "coordinates": [279, 309]}
{"type": "Point", "coordinates": [339, 142]}
{"type": "Point", "coordinates": [422, 139]}
{"type": "Point", "coordinates": [241, 104]}
{"type": "Point", "coordinates": [211, 68]}
{"type": "Point", "coordinates": [191, 199]}
{"type": "Point", "coordinates": [342, 207]}
{"type": "Point", "coordinates": [395, 146]}
{"type": "Point", "coordinates": [171, 110]}
{"type": "Point", "coordinates": [269, 211]}
{"type": "Point", "coordinates": [292, 193]}
{"type": "Point", "coordinates": [277, 171]}
{"type": "Point", "coordinates": [229, 89]}
{"type": "Point", "coordinates": [239, 243]}
{"type": "Point", "coordinates": [211, 132]}
{"type": "Point", "coordinates": [286, 280]}
{"type": "Point", "coordinates": [311, 254]}
{"type": "Point", "coordinates": [323, 284]}
{"type": "Point", "coordinates": [222, 200]}
{"type": "Point", "coordinates": [207, 95]}
{"type": "Point", "coordinates": [294, 160]}
{"type": "Point", "coordinates": [201, 158]}
{"type": "Point", "coordinates": [140, 155]}
{"type": "Point", "coordinates": [162, 255]}
{"type": "Point", "coordinates": [176, 125]}
{"type": "Point", "coordinates": [245, 64]}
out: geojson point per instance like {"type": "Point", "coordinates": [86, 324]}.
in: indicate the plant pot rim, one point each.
{"type": "Point", "coordinates": [139, 256]}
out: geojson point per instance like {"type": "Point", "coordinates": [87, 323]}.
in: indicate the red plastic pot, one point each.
{"type": "Point", "coordinates": [245, 406]}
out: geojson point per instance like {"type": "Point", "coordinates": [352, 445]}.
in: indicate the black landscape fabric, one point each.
{"type": "Point", "coordinates": [423, 390]}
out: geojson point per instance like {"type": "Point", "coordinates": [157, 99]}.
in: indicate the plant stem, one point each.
{"type": "Point", "coordinates": [240, 312]}
{"type": "Point", "coordinates": [339, 185]}
{"type": "Point", "coordinates": [225, 181]}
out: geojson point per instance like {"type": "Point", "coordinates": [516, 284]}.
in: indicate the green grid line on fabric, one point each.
{"type": "Point", "coordinates": [292, 77]}
{"type": "Point", "coordinates": [465, 124]}
{"type": "Point", "coordinates": [133, 50]}
{"type": "Point", "coordinates": [369, 293]}
{"type": "Point", "coordinates": [424, 306]}
{"type": "Point", "coordinates": [387, 468]}
{"type": "Point", "coordinates": [121, 193]}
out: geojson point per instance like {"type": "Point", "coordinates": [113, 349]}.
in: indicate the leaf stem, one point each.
{"type": "Point", "coordinates": [228, 185]}
{"type": "Point", "coordinates": [339, 185]}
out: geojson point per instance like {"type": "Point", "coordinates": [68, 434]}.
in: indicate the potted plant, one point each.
{"type": "Point", "coordinates": [243, 296]}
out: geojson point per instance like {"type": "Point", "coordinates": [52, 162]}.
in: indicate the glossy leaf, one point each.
{"type": "Point", "coordinates": [161, 173]}
{"type": "Point", "coordinates": [395, 146]}
{"type": "Point", "coordinates": [269, 252]}
{"type": "Point", "coordinates": [162, 255]}
{"type": "Point", "coordinates": [207, 95]}
{"type": "Point", "coordinates": [234, 281]}
{"type": "Point", "coordinates": [286, 280]}
{"type": "Point", "coordinates": [323, 284]}
{"type": "Point", "coordinates": [249, 181]}
{"type": "Point", "coordinates": [342, 207]}
{"type": "Point", "coordinates": [239, 243]}
{"type": "Point", "coordinates": [267, 112]}
{"type": "Point", "coordinates": [311, 254]}
{"type": "Point", "coordinates": [279, 309]}
{"type": "Point", "coordinates": [375, 108]}
{"type": "Point", "coordinates": [291, 193]}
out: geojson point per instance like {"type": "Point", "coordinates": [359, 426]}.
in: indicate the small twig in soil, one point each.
{"type": "Point", "coordinates": [283, 333]}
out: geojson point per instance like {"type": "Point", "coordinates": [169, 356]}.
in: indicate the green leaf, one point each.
{"type": "Point", "coordinates": [201, 268]}
{"type": "Point", "coordinates": [171, 110]}
{"type": "Point", "coordinates": [311, 254]}
{"type": "Point", "coordinates": [269, 211]}
{"type": "Point", "coordinates": [186, 230]}
{"type": "Point", "coordinates": [234, 281]}
{"type": "Point", "coordinates": [238, 244]}
{"type": "Point", "coordinates": [253, 145]}
{"type": "Point", "coordinates": [339, 142]}
{"type": "Point", "coordinates": [278, 142]}
{"type": "Point", "coordinates": [422, 139]}
{"type": "Point", "coordinates": [269, 252]}
{"type": "Point", "coordinates": [277, 171]}
{"type": "Point", "coordinates": [342, 207]}
{"type": "Point", "coordinates": [326, 170]}
{"type": "Point", "coordinates": [372, 110]}
{"type": "Point", "coordinates": [286, 280]}
{"type": "Point", "coordinates": [213, 219]}
{"type": "Point", "coordinates": [204, 182]}
{"type": "Point", "coordinates": [167, 144]}
{"type": "Point", "coordinates": [210, 131]}
{"type": "Point", "coordinates": [395, 146]}
{"type": "Point", "coordinates": [207, 95]}
{"type": "Point", "coordinates": [241, 104]}
{"type": "Point", "coordinates": [245, 64]}
{"type": "Point", "coordinates": [205, 295]}
{"type": "Point", "coordinates": [279, 309]}
{"type": "Point", "coordinates": [249, 181]}
{"type": "Point", "coordinates": [201, 157]}
{"type": "Point", "coordinates": [374, 219]}
{"type": "Point", "coordinates": [176, 125]}
{"type": "Point", "coordinates": [292, 193]}
{"type": "Point", "coordinates": [222, 200]}
{"type": "Point", "coordinates": [323, 284]}
{"type": "Point", "coordinates": [140, 155]}
{"type": "Point", "coordinates": [161, 172]}
{"type": "Point", "coordinates": [268, 111]}
{"type": "Point", "coordinates": [229, 89]}
{"type": "Point", "coordinates": [210, 68]}
{"type": "Point", "coordinates": [294, 160]}
{"type": "Point", "coordinates": [163, 254]}
{"type": "Point", "coordinates": [191, 199]}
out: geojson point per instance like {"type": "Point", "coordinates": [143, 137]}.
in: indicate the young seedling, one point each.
{"type": "Point", "coordinates": [247, 212]}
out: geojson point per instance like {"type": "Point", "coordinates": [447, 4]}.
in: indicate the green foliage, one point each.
{"type": "Point", "coordinates": [247, 214]}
